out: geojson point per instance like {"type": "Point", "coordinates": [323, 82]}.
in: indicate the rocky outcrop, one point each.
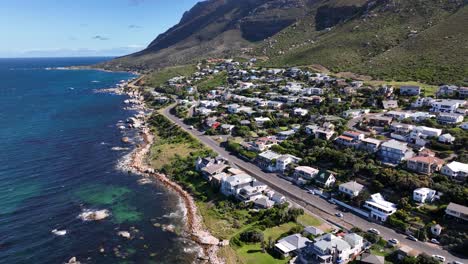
{"type": "Point", "coordinates": [215, 28]}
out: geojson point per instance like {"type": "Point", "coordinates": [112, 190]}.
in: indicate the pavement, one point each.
{"type": "Point", "coordinates": [310, 202]}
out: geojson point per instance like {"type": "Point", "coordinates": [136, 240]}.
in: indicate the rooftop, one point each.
{"type": "Point", "coordinates": [353, 186]}
{"type": "Point", "coordinates": [458, 208]}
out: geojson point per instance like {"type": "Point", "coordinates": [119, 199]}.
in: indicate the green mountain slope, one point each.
{"type": "Point", "coordinates": [419, 39]}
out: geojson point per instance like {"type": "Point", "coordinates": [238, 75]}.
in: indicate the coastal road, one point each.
{"type": "Point", "coordinates": [310, 202]}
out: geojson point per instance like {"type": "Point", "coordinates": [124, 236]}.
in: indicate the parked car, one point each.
{"type": "Point", "coordinates": [435, 241]}
{"type": "Point", "coordinates": [338, 214]}
{"type": "Point", "coordinates": [439, 258]}
{"type": "Point", "coordinates": [411, 237]}
{"type": "Point", "coordinates": [393, 241]}
{"type": "Point", "coordinates": [373, 231]}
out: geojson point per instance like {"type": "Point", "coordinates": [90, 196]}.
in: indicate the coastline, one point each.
{"type": "Point", "coordinates": [193, 227]}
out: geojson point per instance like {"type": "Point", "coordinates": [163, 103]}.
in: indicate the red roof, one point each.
{"type": "Point", "coordinates": [427, 159]}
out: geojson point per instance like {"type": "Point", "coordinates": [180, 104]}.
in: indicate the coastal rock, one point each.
{"type": "Point", "coordinates": [125, 234]}
{"type": "Point", "coordinates": [169, 228]}
{"type": "Point", "coordinates": [125, 140]}
{"type": "Point", "coordinates": [90, 215]}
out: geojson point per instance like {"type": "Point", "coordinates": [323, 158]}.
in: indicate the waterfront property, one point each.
{"type": "Point", "coordinates": [291, 245]}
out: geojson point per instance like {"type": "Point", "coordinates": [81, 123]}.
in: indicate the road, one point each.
{"type": "Point", "coordinates": [310, 202]}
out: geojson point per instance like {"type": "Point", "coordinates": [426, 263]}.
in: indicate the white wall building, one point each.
{"type": "Point", "coordinates": [424, 195]}
{"type": "Point", "coordinates": [456, 170]}
{"type": "Point", "coordinates": [379, 208]}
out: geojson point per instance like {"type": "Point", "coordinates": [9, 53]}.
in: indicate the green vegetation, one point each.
{"type": "Point", "coordinates": [226, 219]}
{"type": "Point", "coordinates": [160, 77]}
{"type": "Point", "coordinates": [212, 82]}
{"type": "Point", "coordinates": [390, 43]}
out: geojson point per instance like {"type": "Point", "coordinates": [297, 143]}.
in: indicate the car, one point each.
{"type": "Point", "coordinates": [439, 258]}
{"type": "Point", "coordinates": [393, 241]}
{"type": "Point", "coordinates": [456, 262]}
{"type": "Point", "coordinates": [373, 231]}
{"type": "Point", "coordinates": [338, 214]}
{"type": "Point", "coordinates": [435, 241]}
{"type": "Point", "coordinates": [411, 237]}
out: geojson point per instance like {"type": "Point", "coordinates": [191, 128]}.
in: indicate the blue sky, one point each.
{"type": "Point", "coordinates": [38, 28]}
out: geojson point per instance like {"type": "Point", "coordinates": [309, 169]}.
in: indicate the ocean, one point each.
{"type": "Point", "coordinates": [60, 151]}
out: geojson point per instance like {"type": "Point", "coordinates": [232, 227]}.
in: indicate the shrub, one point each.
{"type": "Point", "coordinates": [251, 236]}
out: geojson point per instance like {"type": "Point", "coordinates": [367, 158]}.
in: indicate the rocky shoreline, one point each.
{"type": "Point", "coordinates": [137, 163]}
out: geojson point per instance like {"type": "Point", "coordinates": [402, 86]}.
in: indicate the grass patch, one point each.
{"type": "Point", "coordinates": [380, 248]}
{"type": "Point", "coordinates": [164, 154]}
{"type": "Point", "coordinates": [212, 82]}
{"type": "Point", "coordinates": [427, 89]}
{"type": "Point", "coordinates": [252, 253]}
{"type": "Point", "coordinates": [160, 77]}
{"type": "Point", "coordinates": [277, 231]}
{"type": "Point", "coordinates": [308, 220]}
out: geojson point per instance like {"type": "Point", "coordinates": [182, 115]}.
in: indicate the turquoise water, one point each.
{"type": "Point", "coordinates": [56, 160]}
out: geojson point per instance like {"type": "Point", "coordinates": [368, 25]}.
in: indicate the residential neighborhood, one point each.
{"type": "Point", "coordinates": [392, 155]}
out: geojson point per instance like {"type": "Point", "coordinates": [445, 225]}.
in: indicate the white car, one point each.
{"type": "Point", "coordinates": [439, 257]}
{"type": "Point", "coordinates": [373, 231]}
{"type": "Point", "coordinates": [393, 241]}
{"type": "Point", "coordinates": [435, 241]}
{"type": "Point", "coordinates": [338, 214]}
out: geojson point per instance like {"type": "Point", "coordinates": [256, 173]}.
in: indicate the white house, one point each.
{"type": "Point", "coordinates": [447, 105]}
{"type": "Point", "coordinates": [456, 171]}
{"type": "Point", "coordinates": [424, 132]}
{"type": "Point", "coordinates": [446, 138]}
{"type": "Point", "coordinates": [233, 108]}
{"type": "Point", "coordinates": [421, 116]}
{"type": "Point", "coordinates": [351, 188]}
{"type": "Point", "coordinates": [261, 120]}
{"type": "Point", "coordinates": [300, 112]}
{"type": "Point", "coordinates": [305, 172]}
{"type": "Point", "coordinates": [283, 162]}
{"type": "Point", "coordinates": [291, 244]}
{"type": "Point", "coordinates": [332, 249]}
{"type": "Point", "coordinates": [449, 118]}
{"type": "Point", "coordinates": [436, 229]}
{"type": "Point", "coordinates": [379, 208]}
{"type": "Point", "coordinates": [424, 195]}
{"type": "Point", "coordinates": [233, 184]}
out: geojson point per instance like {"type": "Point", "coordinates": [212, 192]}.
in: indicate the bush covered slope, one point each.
{"type": "Point", "coordinates": [420, 39]}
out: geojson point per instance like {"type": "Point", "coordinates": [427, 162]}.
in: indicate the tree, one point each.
{"type": "Point", "coordinates": [252, 236]}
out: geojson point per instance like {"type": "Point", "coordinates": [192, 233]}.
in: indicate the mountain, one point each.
{"type": "Point", "coordinates": [390, 39]}
{"type": "Point", "coordinates": [422, 40]}
{"type": "Point", "coordinates": [216, 28]}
